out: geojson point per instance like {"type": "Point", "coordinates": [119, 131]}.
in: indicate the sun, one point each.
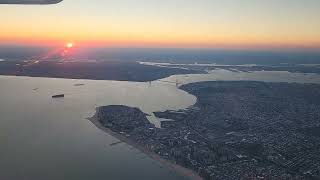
{"type": "Point", "coordinates": [69, 45]}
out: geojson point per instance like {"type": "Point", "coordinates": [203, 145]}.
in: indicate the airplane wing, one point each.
{"type": "Point", "coordinates": [30, 1]}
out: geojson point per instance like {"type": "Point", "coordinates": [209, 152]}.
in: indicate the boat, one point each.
{"type": "Point", "coordinates": [58, 96]}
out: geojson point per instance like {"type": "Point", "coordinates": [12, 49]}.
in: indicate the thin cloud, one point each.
{"type": "Point", "coordinates": [29, 1]}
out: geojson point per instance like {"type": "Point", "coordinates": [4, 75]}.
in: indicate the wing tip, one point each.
{"type": "Point", "coordinates": [30, 1]}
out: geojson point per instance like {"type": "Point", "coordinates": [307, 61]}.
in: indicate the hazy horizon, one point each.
{"type": "Point", "coordinates": [173, 55]}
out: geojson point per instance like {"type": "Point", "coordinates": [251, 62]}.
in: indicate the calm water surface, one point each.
{"type": "Point", "coordinates": [45, 138]}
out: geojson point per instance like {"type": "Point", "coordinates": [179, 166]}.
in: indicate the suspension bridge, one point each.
{"type": "Point", "coordinates": [177, 83]}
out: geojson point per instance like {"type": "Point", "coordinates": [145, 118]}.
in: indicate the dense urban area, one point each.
{"type": "Point", "coordinates": [236, 130]}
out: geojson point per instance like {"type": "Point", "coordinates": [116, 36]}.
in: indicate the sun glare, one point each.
{"type": "Point", "coordinates": [69, 45]}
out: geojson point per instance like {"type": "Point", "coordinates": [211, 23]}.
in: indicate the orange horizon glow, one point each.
{"type": "Point", "coordinates": [156, 24]}
{"type": "Point", "coordinates": [159, 40]}
{"type": "Point", "coordinates": [161, 44]}
{"type": "Point", "coordinates": [253, 24]}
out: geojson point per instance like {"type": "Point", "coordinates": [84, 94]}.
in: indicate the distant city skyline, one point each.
{"type": "Point", "coordinates": [167, 23]}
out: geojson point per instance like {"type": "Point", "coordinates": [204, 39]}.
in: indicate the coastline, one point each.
{"type": "Point", "coordinates": [177, 168]}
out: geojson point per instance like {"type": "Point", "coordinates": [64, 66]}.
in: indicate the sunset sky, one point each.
{"type": "Point", "coordinates": [165, 23]}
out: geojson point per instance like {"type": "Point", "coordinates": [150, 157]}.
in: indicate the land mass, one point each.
{"type": "Point", "coordinates": [293, 68]}
{"type": "Point", "coordinates": [236, 130]}
{"type": "Point", "coordinates": [130, 71]}
{"type": "Point", "coordinates": [96, 70]}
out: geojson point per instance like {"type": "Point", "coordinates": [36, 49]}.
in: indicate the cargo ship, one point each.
{"type": "Point", "coordinates": [58, 96]}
